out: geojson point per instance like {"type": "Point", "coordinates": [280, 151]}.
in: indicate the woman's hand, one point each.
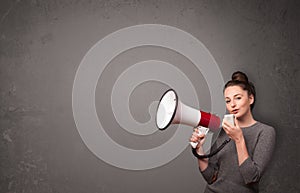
{"type": "Point", "coordinates": [236, 133]}
{"type": "Point", "coordinates": [197, 138]}
{"type": "Point", "coordinates": [233, 131]}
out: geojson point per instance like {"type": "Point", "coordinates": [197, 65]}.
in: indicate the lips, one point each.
{"type": "Point", "coordinates": [235, 111]}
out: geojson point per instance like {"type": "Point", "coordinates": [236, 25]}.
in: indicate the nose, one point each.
{"type": "Point", "coordinates": [232, 104]}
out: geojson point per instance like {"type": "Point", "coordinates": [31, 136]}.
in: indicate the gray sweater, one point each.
{"type": "Point", "coordinates": [224, 175]}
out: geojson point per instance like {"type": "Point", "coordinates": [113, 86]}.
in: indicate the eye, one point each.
{"type": "Point", "coordinates": [238, 97]}
{"type": "Point", "coordinates": [227, 101]}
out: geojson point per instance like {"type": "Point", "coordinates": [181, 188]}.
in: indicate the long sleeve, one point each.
{"type": "Point", "coordinates": [224, 174]}
{"type": "Point", "coordinates": [211, 172]}
{"type": "Point", "coordinates": [254, 166]}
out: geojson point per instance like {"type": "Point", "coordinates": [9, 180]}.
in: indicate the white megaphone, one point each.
{"type": "Point", "coordinates": [172, 111]}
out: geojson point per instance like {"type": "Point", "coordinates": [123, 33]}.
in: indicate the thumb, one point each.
{"type": "Point", "coordinates": [236, 122]}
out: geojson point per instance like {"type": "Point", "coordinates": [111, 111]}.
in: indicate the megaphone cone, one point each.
{"type": "Point", "coordinates": [172, 111]}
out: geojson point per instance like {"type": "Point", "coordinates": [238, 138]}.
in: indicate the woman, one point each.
{"type": "Point", "coordinates": [239, 166]}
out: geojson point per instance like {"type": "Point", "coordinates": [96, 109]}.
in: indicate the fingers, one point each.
{"type": "Point", "coordinates": [196, 137]}
{"type": "Point", "coordinates": [227, 127]}
{"type": "Point", "coordinates": [233, 131]}
{"type": "Point", "coordinates": [226, 123]}
{"type": "Point", "coordinates": [236, 122]}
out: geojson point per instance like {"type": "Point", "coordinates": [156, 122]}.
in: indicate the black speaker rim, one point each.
{"type": "Point", "coordinates": [174, 113]}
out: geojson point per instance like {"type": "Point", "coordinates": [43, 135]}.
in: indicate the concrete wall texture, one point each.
{"type": "Point", "coordinates": [42, 44]}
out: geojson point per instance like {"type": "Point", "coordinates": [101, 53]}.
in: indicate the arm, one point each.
{"type": "Point", "coordinates": [236, 133]}
{"type": "Point", "coordinates": [241, 149]}
{"type": "Point", "coordinates": [207, 167]}
{"type": "Point", "coordinates": [253, 167]}
{"type": "Point", "coordinates": [210, 173]}
{"type": "Point", "coordinates": [202, 163]}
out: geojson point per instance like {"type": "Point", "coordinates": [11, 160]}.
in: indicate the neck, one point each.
{"type": "Point", "coordinates": [246, 120]}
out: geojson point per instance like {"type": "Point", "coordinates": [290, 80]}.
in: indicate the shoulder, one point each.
{"type": "Point", "coordinates": [266, 130]}
{"type": "Point", "coordinates": [263, 126]}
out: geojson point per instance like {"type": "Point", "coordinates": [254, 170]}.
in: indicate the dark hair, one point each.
{"type": "Point", "coordinates": [239, 78]}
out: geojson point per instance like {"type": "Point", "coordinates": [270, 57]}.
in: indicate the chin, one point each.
{"type": "Point", "coordinates": [237, 115]}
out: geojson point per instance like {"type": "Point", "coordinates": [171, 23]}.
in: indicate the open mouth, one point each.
{"type": "Point", "coordinates": [235, 111]}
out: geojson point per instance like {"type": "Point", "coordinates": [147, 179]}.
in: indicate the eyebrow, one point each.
{"type": "Point", "coordinates": [234, 95]}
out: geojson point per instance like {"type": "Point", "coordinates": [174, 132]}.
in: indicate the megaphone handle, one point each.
{"type": "Point", "coordinates": [201, 130]}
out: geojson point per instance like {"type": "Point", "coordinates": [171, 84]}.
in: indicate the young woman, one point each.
{"type": "Point", "coordinates": [239, 166]}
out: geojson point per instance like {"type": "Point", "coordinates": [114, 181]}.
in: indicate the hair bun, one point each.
{"type": "Point", "coordinates": [239, 76]}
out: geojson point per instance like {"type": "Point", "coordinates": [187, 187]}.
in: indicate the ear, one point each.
{"type": "Point", "coordinates": [251, 99]}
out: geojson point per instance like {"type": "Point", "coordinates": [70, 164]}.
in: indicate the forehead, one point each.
{"type": "Point", "coordinates": [234, 90]}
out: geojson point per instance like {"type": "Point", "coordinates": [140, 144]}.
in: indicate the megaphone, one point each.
{"type": "Point", "coordinates": [171, 110]}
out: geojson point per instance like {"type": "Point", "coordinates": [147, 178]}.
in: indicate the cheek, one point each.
{"type": "Point", "coordinates": [227, 106]}
{"type": "Point", "coordinates": [245, 104]}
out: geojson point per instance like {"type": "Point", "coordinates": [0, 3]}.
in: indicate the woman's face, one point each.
{"type": "Point", "coordinates": [237, 101]}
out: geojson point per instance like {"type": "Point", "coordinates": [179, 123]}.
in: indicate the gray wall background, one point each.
{"type": "Point", "coordinates": [43, 42]}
